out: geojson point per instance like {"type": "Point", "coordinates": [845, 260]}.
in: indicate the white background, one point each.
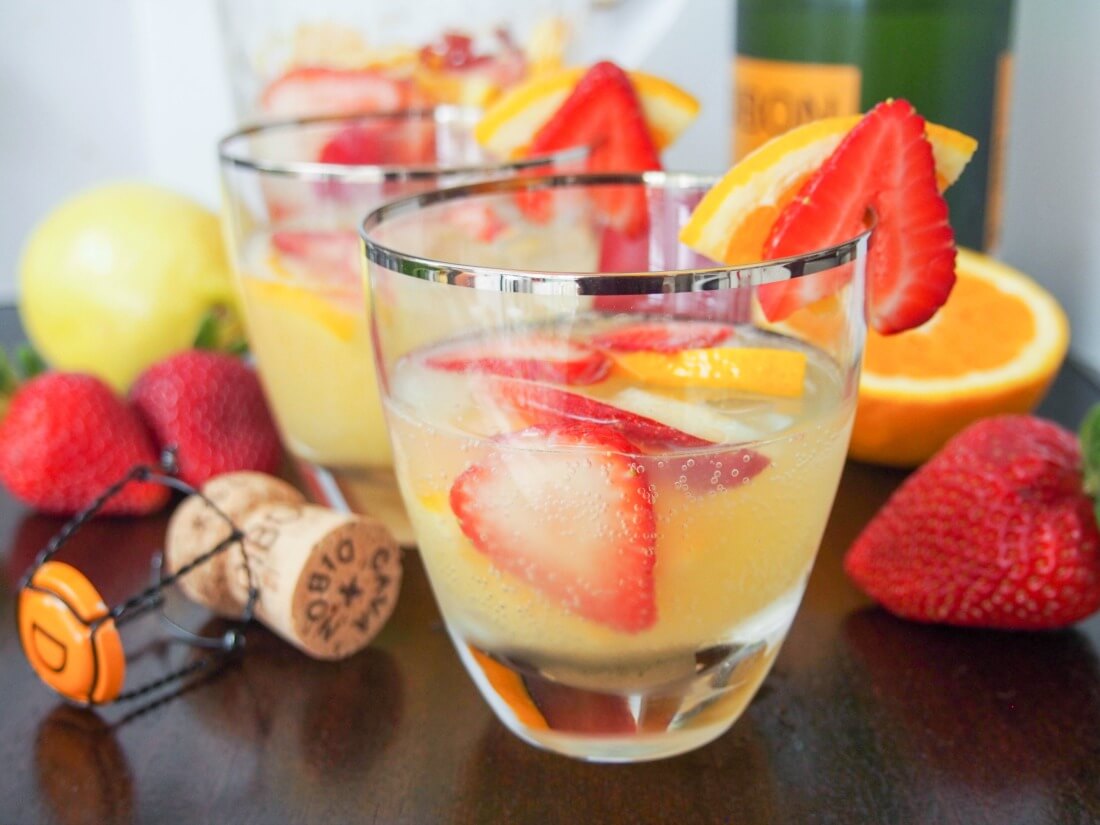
{"type": "Point", "coordinates": [113, 89]}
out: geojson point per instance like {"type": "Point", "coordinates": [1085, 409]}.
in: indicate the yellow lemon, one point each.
{"type": "Point", "coordinates": [120, 276]}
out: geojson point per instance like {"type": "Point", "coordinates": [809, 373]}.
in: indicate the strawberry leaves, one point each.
{"type": "Point", "coordinates": [1090, 456]}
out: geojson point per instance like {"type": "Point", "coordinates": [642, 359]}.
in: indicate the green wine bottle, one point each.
{"type": "Point", "coordinates": [799, 60]}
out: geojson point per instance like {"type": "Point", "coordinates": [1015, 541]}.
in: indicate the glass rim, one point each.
{"type": "Point", "coordinates": [443, 114]}
{"type": "Point", "coordinates": [542, 282]}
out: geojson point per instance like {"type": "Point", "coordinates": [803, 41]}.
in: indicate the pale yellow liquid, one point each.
{"type": "Point", "coordinates": [312, 346]}
{"type": "Point", "coordinates": [731, 560]}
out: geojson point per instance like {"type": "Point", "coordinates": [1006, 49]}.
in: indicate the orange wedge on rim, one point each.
{"type": "Point", "coordinates": [732, 222]}
{"type": "Point", "coordinates": [511, 122]}
{"type": "Point", "coordinates": [993, 348]}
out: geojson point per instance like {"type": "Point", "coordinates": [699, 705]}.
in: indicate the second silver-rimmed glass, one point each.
{"type": "Point", "coordinates": [618, 456]}
{"type": "Point", "coordinates": [294, 193]}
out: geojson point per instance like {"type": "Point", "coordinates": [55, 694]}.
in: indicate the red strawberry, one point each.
{"type": "Point", "coordinates": [66, 438]}
{"type": "Point", "coordinates": [322, 91]}
{"type": "Point", "coordinates": [993, 531]}
{"type": "Point", "coordinates": [535, 357]}
{"type": "Point", "coordinates": [332, 254]}
{"type": "Point", "coordinates": [622, 252]}
{"type": "Point", "coordinates": [564, 510]}
{"type": "Point", "coordinates": [386, 142]}
{"type": "Point", "coordinates": [702, 474]}
{"type": "Point", "coordinates": [885, 163]}
{"type": "Point", "coordinates": [545, 406]}
{"type": "Point", "coordinates": [662, 336]}
{"type": "Point", "coordinates": [604, 114]}
{"type": "Point", "coordinates": [208, 405]}
{"type": "Point", "coordinates": [477, 221]}
{"type": "Point", "coordinates": [454, 51]}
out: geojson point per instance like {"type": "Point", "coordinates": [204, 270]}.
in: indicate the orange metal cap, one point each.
{"type": "Point", "coordinates": [67, 636]}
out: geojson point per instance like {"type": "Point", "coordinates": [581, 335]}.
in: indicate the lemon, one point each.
{"type": "Point", "coordinates": [119, 277]}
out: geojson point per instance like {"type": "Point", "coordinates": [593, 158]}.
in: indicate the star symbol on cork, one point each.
{"type": "Point", "coordinates": [351, 591]}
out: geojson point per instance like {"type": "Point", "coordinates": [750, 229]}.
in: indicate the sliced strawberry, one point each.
{"type": "Point", "coordinates": [604, 114]}
{"type": "Point", "coordinates": [706, 473]}
{"type": "Point", "coordinates": [729, 306]}
{"type": "Point", "coordinates": [386, 142]}
{"type": "Point", "coordinates": [477, 221]}
{"type": "Point", "coordinates": [321, 91]}
{"type": "Point", "coordinates": [536, 357]}
{"type": "Point", "coordinates": [662, 336]}
{"type": "Point", "coordinates": [545, 406]}
{"type": "Point", "coordinates": [622, 252]}
{"type": "Point", "coordinates": [564, 510]}
{"type": "Point", "coordinates": [885, 163]}
{"type": "Point", "coordinates": [332, 254]}
{"type": "Point", "coordinates": [576, 710]}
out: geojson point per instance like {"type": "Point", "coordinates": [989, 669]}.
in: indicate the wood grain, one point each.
{"type": "Point", "coordinates": [864, 718]}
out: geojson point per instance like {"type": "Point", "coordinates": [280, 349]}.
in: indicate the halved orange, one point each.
{"type": "Point", "coordinates": [994, 347]}
{"type": "Point", "coordinates": [512, 121]}
{"type": "Point", "coordinates": [732, 221]}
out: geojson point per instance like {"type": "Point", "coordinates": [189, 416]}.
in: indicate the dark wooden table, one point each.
{"type": "Point", "coordinates": [864, 718]}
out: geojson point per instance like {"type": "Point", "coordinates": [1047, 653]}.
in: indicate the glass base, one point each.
{"type": "Point", "coordinates": [637, 724]}
{"type": "Point", "coordinates": [369, 491]}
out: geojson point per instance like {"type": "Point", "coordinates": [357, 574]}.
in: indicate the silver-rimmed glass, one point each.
{"type": "Point", "coordinates": [617, 455]}
{"type": "Point", "coordinates": [294, 193]}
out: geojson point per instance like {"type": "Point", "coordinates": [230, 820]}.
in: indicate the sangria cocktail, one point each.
{"type": "Point", "coordinates": [617, 471]}
{"type": "Point", "coordinates": [294, 194]}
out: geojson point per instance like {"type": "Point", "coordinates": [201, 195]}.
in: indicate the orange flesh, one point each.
{"type": "Point", "coordinates": [746, 244]}
{"type": "Point", "coordinates": [509, 687]}
{"type": "Point", "coordinates": [1006, 323]}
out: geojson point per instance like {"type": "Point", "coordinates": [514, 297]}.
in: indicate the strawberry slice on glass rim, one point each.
{"type": "Point", "coordinates": [603, 113]}
{"type": "Point", "coordinates": [884, 164]}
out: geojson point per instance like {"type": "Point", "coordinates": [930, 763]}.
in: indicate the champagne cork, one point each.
{"type": "Point", "coordinates": [328, 581]}
{"type": "Point", "coordinates": [195, 529]}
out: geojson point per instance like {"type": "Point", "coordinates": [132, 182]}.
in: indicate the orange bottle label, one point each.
{"type": "Point", "coordinates": [773, 96]}
{"type": "Point", "coordinates": [998, 137]}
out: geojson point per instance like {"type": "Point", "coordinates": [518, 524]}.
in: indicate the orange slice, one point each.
{"type": "Point", "coordinates": [732, 222]}
{"type": "Point", "coordinates": [510, 688]}
{"type": "Point", "coordinates": [749, 369]}
{"type": "Point", "coordinates": [334, 311]}
{"type": "Point", "coordinates": [994, 347]}
{"type": "Point", "coordinates": [511, 122]}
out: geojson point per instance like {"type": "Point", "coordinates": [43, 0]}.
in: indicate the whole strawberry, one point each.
{"type": "Point", "coordinates": [996, 530]}
{"type": "Point", "coordinates": [209, 406]}
{"type": "Point", "coordinates": [66, 438]}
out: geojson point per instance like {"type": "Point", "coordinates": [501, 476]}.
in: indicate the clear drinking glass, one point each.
{"type": "Point", "coordinates": [294, 58]}
{"type": "Point", "coordinates": [618, 470]}
{"type": "Point", "coordinates": [291, 211]}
